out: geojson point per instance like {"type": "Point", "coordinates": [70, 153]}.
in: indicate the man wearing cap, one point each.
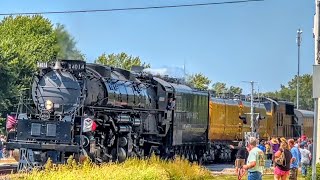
{"type": "Point", "coordinates": [255, 161]}
{"type": "Point", "coordinates": [304, 138]}
{"type": "Point", "coordinates": [296, 159]}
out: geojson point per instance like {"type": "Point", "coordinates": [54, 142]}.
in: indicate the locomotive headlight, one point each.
{"type": "Point", "coordinates": [48, 105]}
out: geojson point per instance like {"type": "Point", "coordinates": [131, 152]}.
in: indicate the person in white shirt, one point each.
{"type": "Point", "coordinates": [310, 148]}
{"type": "Point", "coordinates": [171, 104]}
{"type": "Point", "coordinates": [305, 158]}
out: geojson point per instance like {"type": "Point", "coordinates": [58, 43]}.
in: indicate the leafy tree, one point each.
{"type": "Point", "coordinates": [220, 87]}
{"type": "Point", "coordinates": [66, 44]}
{"type": "Point", "coordinates": [289, 92]}
{"type": "Point", "coordinates": [121, 60]}
{"type": "Point", "coordinates": [24, 40]}
{"type": "Point", "coordinates": [235, 90]}
{"type": "Point", "coordinates": [305, 91]}
{"type": "Point", "coordinates": [199, 81]}
{"type": "Point", "coordinates": [2, 125]}
{"type": "Point", "coordinates": [6, 79]}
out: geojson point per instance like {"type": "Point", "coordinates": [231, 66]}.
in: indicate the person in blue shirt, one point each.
{"type": "Point", "coordinates": [296, 159]}
{"type": "Point", "coordinates": [262, 146]}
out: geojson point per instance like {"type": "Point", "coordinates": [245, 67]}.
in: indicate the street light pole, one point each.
{"type": "Point", "coordinates": [299, 38]}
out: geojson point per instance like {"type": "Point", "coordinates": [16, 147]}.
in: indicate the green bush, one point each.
{"type": "Point", "coordinates": [2, 125]}
{"type": "Point", "coordinates": [309, 173]}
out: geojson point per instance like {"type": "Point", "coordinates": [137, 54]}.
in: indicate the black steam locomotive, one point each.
{"type": "Point", "coordinates": [109, 114]}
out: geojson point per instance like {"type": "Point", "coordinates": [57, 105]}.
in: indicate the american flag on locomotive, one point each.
{"type": "Point", "coordinates": [11, 121]}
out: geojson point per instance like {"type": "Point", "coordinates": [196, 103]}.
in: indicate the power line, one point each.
{"type": "Point", "coordinates": [129, 9]}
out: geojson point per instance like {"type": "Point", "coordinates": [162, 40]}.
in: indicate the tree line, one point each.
{"type": "Point", "coordinates": [285, 93]}
{"type": "Point", "coordinates": [25, 40]}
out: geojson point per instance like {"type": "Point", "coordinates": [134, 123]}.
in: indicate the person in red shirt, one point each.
{"type": "Point", "coordinates": [304, 138]}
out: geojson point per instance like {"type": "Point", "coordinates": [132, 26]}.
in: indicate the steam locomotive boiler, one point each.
{"type": "Point", "coordinates": [109, 114]}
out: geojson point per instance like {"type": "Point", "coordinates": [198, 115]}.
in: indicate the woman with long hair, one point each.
{"type": "Point", "coordinates": [282, 162]}
{"type": "Point", "coordinates": [274, 143]}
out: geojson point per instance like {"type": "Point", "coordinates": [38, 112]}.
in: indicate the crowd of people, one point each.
{"type": "Point", "coordinates": [286, 156]}
{"type": "Point", "coordinates": [3, 152]}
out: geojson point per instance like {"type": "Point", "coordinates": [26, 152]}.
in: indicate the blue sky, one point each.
{"type": "Point", "coordinates": [228, 43]}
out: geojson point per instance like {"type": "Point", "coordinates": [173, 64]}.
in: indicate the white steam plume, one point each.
{"type": "Point", "coordinates": [174, 72]}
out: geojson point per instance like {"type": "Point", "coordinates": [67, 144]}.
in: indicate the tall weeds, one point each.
{"type": "Point", "coordinates": [152, 168]}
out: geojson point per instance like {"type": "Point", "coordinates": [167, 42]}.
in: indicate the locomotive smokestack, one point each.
{"type": "Point", "coordinates": [57, 65]}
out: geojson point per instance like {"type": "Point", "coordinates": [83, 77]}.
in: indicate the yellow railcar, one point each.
{"type": "Point", "coordinates": [283, 120]}
{"type": "Point", "coordinates": [305, 121]}
{"type": "Point", "coordinates": [229, 119]}
{"type": "Point", "coordinates": [224, 122]}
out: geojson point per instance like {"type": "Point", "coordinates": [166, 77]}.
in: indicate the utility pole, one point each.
{"type": "Point", "coordinates": [184, 69]}
{"type": "Point", "coordinates": [316, 92]}
{"type": "Point", "coordinates": [259, 94]}
{"type": "Point", "coordinates": [299, 38]}
{"type": "Point", "coordinates": [253, 129]}
{"type": "Point", "coordinates": [252, 115]}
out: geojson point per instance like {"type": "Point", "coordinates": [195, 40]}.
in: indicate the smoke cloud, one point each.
{"type": "Point", "coordinates": [174, 72]}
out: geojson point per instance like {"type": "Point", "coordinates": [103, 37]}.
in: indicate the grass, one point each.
{"type": "Point", "coordinates": [152, 168]}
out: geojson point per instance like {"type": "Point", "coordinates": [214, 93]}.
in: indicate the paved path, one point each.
{"type": "Point", "coordinates": [228, 169]}
{"type": "Point", "coordinates": [221, 168]}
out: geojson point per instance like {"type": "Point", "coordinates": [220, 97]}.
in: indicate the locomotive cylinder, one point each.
{"type": "Point", "coordinates": [136, 122]}
{"type": "Point", "coordinates": [124, 119]}
{"type": "Point", "coordinates": [124, 128]}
